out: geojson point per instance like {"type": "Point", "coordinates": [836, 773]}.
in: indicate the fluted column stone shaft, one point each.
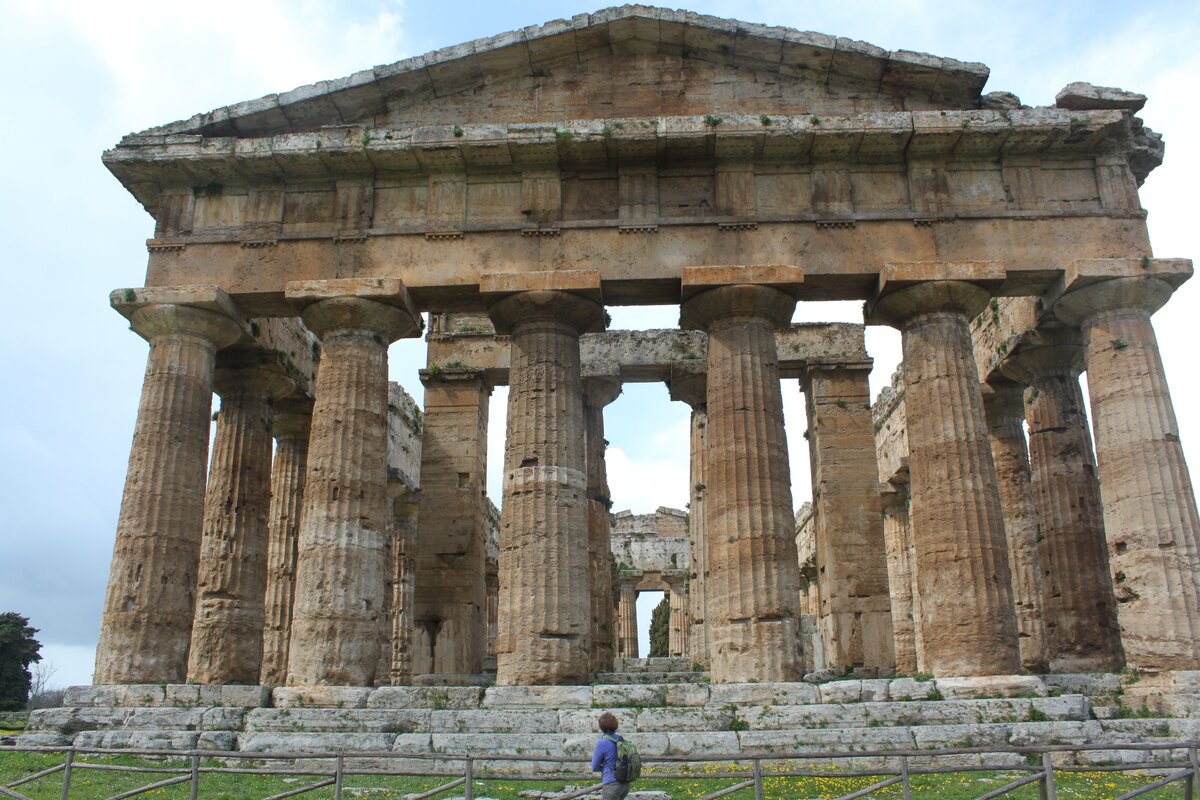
{"type": "Point", "coordinates": [898, 545]}
{"type": "Point", "coordinates": [147, 621]}
{"type": "Point", "coordinates": [1150, 515]}
{"type": "Point", "coordinates": [450, 600]}
{"type": "Point", "coordinates": [753, 585]}
{"type": "Point", "coordinates": [597, 393]}
{"type": "Point", "coordinates": [342, 567]}
{"type": "Point", "coordinates": [1005, 409]}
{"type": "Point", "coordinates": [545, 628]}
{"type": "Point", "coordinates": [1082, 634]}
{"type": "Point", "coordinates": [678, 604]}
{"type": "Point", "coordinates": [227, 629]}
{"type": "Point", "coordinates": [405, 509]}
{"type": "Point", "coordinates": [283, 525]}
{"type": "Point", "coordinates": [698, 540]}
{"type": "Point", "coordinates": [627, 632]}
{"type": "Point", "coordinates": [855, 617]}
{"type": "Point", "coordinates": [968, 624]}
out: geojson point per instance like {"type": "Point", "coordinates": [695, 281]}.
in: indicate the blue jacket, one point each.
{"type": "Point", "coordinates": [605, 757]}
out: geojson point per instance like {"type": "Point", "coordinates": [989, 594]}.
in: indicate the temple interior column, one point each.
{"type": "Point", "coordinates": [1082, 634]}
{"type": "Point", "coordinates": [405, 510]}
{"type": "Point", "coordinates": [968, 623]}
{"type": "Point", "coordinates": [545, 628]}
{"type": "Point", "coordinates": [450, 599]}
{"type": "Point", "coordinates": [752, 591]}
{"type": "Point", "coordinates": [1150, 516]}
{"type": "Point", "coordinates": [678, 626]}
{"type": "Point", "coordinates": [855, 616]}
{"type": "Point", "coordinates": [290, 426]}
{"type": "Point", "coordinates": [227, 628]}
{"type": "Point", "coordinates": [897, 544]}
{"type": "Point", "coordinates": [147, 621]}
{"type": "Point", "coordinates": [1004, 407]}
{"type": "Point", "coordinates": [598, 392]}
{"type": "Point", "coordinates": [342, 567]}
{"type": "Point", "coordinates": [627, 632]}
{"type": "Point", "coordinates": [691, 387]}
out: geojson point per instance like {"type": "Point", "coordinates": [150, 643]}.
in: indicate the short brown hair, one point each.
{"type": "Point", "coordinates": [608, 723]}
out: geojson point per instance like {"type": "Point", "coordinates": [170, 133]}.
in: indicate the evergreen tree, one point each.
{"type": "Point", "coordinates": [18, 649]}
{"type": "Point", "coordinates": [660, 629]}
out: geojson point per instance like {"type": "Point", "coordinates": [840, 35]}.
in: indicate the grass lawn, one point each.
{"type": "Point", "coordinates": [99, 784]}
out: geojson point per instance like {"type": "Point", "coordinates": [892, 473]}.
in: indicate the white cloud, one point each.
{"type": "Point", "coordinates": [659, 479]}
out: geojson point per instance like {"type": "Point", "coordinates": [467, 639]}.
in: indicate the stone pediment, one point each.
{"type": "Point", "coordinates": [616, 63]}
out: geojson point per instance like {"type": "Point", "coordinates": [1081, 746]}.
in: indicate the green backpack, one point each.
{"type": "Point", "coordinates": [628, 767]}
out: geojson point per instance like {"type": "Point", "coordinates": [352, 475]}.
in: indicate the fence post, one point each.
{"type": "Point", "coordinates": [469, 779]}
{"type": "Point", "coordinates": [195, 785]}
{"type": "Point", "coordinates": [904, 778]}
{"type": "Point", "coordinates": [66, 787]}
{"type": "Point", "coordinates": [1195, 781]}
{"type": "Point", "coordinates": [337, 778]}
{"type": "Point", "coordinates": [1048, 790]}
{"type": "Point", "coordinates": [758, 792]}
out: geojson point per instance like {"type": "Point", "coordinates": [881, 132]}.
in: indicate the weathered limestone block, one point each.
{"type": "Point", "coordinates": [629, 696]}
{"type": "Point", "coordinates": [336, 742]}
{"type": "Point", "coordinates": [235, 696]}
{"type": "Point", "coordinates": [687, 694]}
{"type": "Point", "coordinates": [752, 587]}
{"type": "Point", "coordinates": [1032, 734]}
{"type": "Point", "coordinates": [227, 629]}
{"type": "Point", "coordinates": [855, 614]}
{"type": "Point", "coordinates": [928, 737]}
{"type": "Point", "coordinates": [685, 719]}
{"type": "Point", "coordinates": [1150, 515]}
{"type": "Point", "coordinates": [968, 626]}
{"type": "Point", "coordinates": [451, 697]}
{"type": "Point", "coordinates": [147, 618]}
{"type": "Point", "coordinates": [494, 721]}
{"type": "Point", "coordinates": [902, 689]}
{"type": "Point", "coordinates": [897, 541]}
{"type": "Point", "coordinates": [682, 744]}
{"type": "Point", "coordinates": [537, 697]}
{"type": "Point", "coordinates": [545, 585]}
{"type": "Point", "coordinates": [141, 740]}
{"type": "Point", "coordinates": [747, 694]}
{"type": "Point", "coordinates": [341, 571]}
{"type": "Point", "coordinates": [350, 720]}
{"type": "Point", "coordinates": [1005, 409]}
{"type": "Point", "coordinates": [449, 604]}
{"type": "Point", "coordinates": [1080, 615]}
{"type": "Point", "coordinates": [1003, 685]}
{"type": "Point", "coordinates": [320, 696]}
{"type": "Point", "coordinates": [577, 721]}
{"type": "Point", "coordinates": [1081, 96]}
{"type": "Point", "coordinates": [102, 696]}
{"type": "Point", "coordinates": [290, 426]}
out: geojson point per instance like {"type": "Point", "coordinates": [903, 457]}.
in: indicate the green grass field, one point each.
{"type": "Point", "coordinates": [86, 784]}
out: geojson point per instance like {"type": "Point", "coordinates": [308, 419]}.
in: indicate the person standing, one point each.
{"type": "Point", "coordinates": [604, 759]}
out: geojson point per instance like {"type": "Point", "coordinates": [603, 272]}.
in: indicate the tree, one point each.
{"type": "Point", "coordinates": [18, 649]}
{"type": "Point", "coordinates": [660, 629]}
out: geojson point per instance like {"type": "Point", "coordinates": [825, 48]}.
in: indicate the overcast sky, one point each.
{"type": "Point", "coordinates": [80, 74]}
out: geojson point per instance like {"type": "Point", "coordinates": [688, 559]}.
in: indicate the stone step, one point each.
{"type": "Point", "coordinates": [625, 678]}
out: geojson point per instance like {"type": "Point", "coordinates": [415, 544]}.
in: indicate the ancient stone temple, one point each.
{"type": "Point", "coordinates": [498, 196]}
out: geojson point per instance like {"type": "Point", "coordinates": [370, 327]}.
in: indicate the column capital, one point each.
{"type": "Point", "coordinates": [584, 315]}
{"type": "Point", "coordinates": [1003, 401]}
{"type": "Point", "coordinates": [154, 321]}
{"type": "Point", "coordinates": [339, 315]}
{"type": "Point", "coordinates": [1058, 352]}
{"type": "Point", "coordinates": [740, 301]}
{"type": "Point", "coordinates": [630, 577]}
{"type": "Point", "coordinates": [435, 374]}
{"type": "Point", "coordinates": [251, 372]}
{"type": "Point", "coordinates": [689, 384]}
{"type": "Point", "coordinates": [291, 424]}
{"type": "Point", "coordinates": [677, 579]}
{"type": "Point", "coordinates": [899, 307]}
{"type": "Point", "coordinates": [1141, 294]}
{"type": "Point", "coordinates": [600, 390]}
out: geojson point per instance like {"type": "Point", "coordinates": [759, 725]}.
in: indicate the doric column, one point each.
{"type": "Point", "coordinates": [691, 387]}
{"type": "Point", "coordinates": [147, 620]}
{"type": "Point", "coordinates": [1079, 608]}
{"type": "Point", "coordinates": [493, 608]}
{"type": "Point", "coordinates": [1150, 515]}
{"type": "Point", "coordinates": [545, 626]}
{"type": "Point", "coordinates": [342, 567]}
{"type": "Point", "coordinates": [677, 582]}
{"type": "Point", "coordinates": [898, 545]}
{"type": "Point", "coordinates": [1005, 410]}
{"type": "Point", "coordinates": [855, 616]}
{"type": "Point", "coordinates": [405, 507]}
{"type": "Point", "coordinates": [599, 391]}
{"type": "Point", "coordinates": [627, 632]}
{"type": "Point", "coordinates": [968, 623]}
{"type": "Point", "coordinates": [752, 591]}
{"type": "Point", "coordinates": [451, 543]}
{"type": "Point", "coordinates": [290, 426]}
{"type": "Point", "coordinates": [227, 629]}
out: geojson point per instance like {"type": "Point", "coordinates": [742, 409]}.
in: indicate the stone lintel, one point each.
{"type": "Point", "coordinates": [1084, 271]}
{"type": "Point", "coordinates": [209, 298]}
{"type": "Point", "coordinates": [581, 282]}
{"type": "Point", "coordinates": [390, 291]}
{"type": "Point", "coordinates": [784, 277]}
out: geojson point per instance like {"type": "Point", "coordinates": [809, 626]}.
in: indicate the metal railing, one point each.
{"type": "Point", "coordinates": [1179, 763]}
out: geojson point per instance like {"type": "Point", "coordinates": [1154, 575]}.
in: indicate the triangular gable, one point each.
{"type": "Point", "coordinates": [645, 60]}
